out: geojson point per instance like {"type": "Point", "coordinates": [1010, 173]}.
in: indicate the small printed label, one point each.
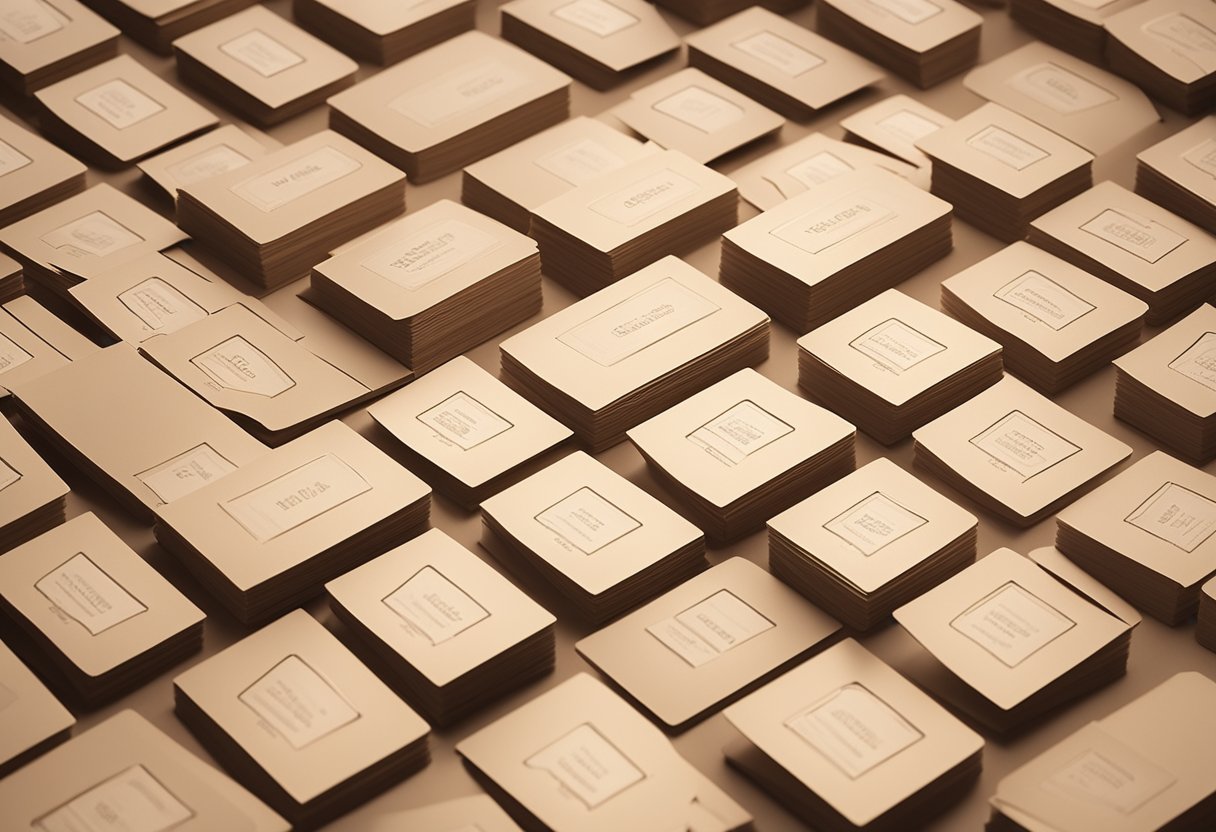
{"type": "Point", "coordinates": [463, 421]}
{"type": "Point", "coordinates": [1012, 624]}
{"type": "Point", "coordinates": [1116, 777]}
{"type": "Point", "coordinates": [699, 108]}
{"type": "Point", "coordinates": [1148, 240]}
{"type": "Point", "coordinates": [11, 159]}
{"type": "Point", "coordinates": [779, 53]}
{"type": "Point", "coordinates": [907, 126]}
{"type": "Point", "coordinates": [1186, 36]}
{"type": "Point", "coordinates": [8, 475]}
{"type": "Point", "coordinates": [1198, 362]}
{"type": "Point", "coordinates": [83, 592]}
{"type": "Point", "coordinates": [1060, 89]}
{"type": "Point", "coordinates": [433, 607]}
{"type": "Point", "coordinates": [587, 766]}
{"type": "Point", "coordinates": [909, 11]}
{"type": "Point", "coordinates": [119, 104]}
{"type": "Point", "coordinates": [875, 522]}
{"type": "Point", "coordinates": [815, 170]}
{"type": "Point", "coordinates": [11, 355]}
{"type": "Point", "coordinates": [211, 162]}
{"type": "Point", "coordinates": [296, 497]}
{"type": "Point", "coordinates": [1007, 148]}
{"type": "Point", "coordinates": [160, 307]}
{"type": "Point", "coordinates": [854, 729]}
{"type": "Point", "coordinates": [261, 53]}
{"type": "Point", "coordinates": [1203, 157]}
{"type": "Point", "coordinates": [95, 234]}
{"type": "Point", "coordinates": [297, 703]}
{"type": "Point", "coordinates": [186, 473]}
{"type": "Point", "coordinates": [739, 432]}
{"type": "Point", "coordinates": [819, 230]}
{"type": "Point", "coordinates": [598, 17]}
{"type": "Point", "coordinates": [131, 801]}
{"type": "Point", "coordinates": [580, 162]}
{"type": "Point", "coordinates": [239, 366]}
{"type": "Point", "coordinates": [298, 178]}
{"type": "Point", "coordinates": [1043, 300]}
{"type": "Point", "coordinates": [895, 346]}
{"type": "Point", "coordinates": [643, 199]}
{"type": "Point", "coordinates": [1020, 444]}
{"type": "Point", "coordinates": [710, 628]}
{"type": "Point", "coordinates": [1177, 515]}
{"type": "Point", "coordinates": [25, 21]}
{"type": "Point", "coordinates": [459, 93]}
{"type": "Point", "coordinates": [430, 253]}
{"type": "Point", "coordinates": [586, 521]}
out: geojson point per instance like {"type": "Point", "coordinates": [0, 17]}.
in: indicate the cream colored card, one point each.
{"type": "Point", "coordinates": [475, 813]}
{"type": "Point", "coordinates": [27, 483]}
{"type": "Point", "coordinates": [34, 342]}
{"type": "Point", "coordinates": [1188, 158]}
{"type": "Point", "coordinates": [1177, 364]}
{"type": "Point", "coordinates": [226, 148]}
{"type": "Point", "coordinates": [619, 34]}
{"type": "Point", "coordinates": [895, 125]}
{"type": "Point", "coordinates": [29, 164]}
{"type": "Point", "coordinates": [737, 436]}
{"type": "Point", "coordinates": [1081, 582]}
{"type": "Point", "coordinates": [300, 704]}
{"type": "Point", "coordinates": [917, 25]}
{"type": "Point", "coordinates": [1087, 105]}
{"type": "Point", "coordinates": [702, 643]}
{"type": "Point", "coordinates": [1176, 37]}
{"type": "Point", "coordinates": [874, 525]}
{"type": "Point", "coordinates": [29, 713]}
{"type": "Point", "coordinates": [382, 18]}
{"type": "Point", "coordinates": [36, 34]}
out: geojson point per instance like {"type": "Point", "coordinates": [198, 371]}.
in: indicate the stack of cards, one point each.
{"type": "Point", "coordinates": [32, 720]}
{"type": "Point", "coordinates": [467, 433]}
{"type": "Point", "coordinates": [1167, 387]}
{"type": "Point", "coordinates": [1011, 638]}
{"type": "Point", "coordinates": [1000, 170]}
{"type": "Point", "coordinates": [432, 285]}
{"type": "Point", "coordinates": [845, 743]}
{"type": "Point", "coordinates": [707, 642]}
{"type": "Point", "coordinates": [601, 544]}
{"type": "Point", "coordinates": [742, 450]}
{"type": "Point", "coordinates": [452, 104]}
{"type": "Point", "coordinates": [384, 33]}
{"type": "Point", "coordinates": [223, 149]}
{"type": "Point", "coordinates": [12, 283]}
{"type": "Point", "coordinates": [579, 758]}
{"type": "Point", "coordinates": [34, 496]}
{"type": "Point", "coordinates": [1179, 173]}
{"type": "Point", "coordinates": [869, 543]}
{"type": "Point", "coordinates": [157, 23]}
{"type": "Point", "coordinates": [262, 67]}
{"type": "Point", "coordinates": [780, 64]}
{"type": "Point", "coordinates": [596, 41]}
{"type": "Point", "coordinates": [280, 215]}
{"type": "Point", "coordinates": [268, 536]}
{"type": "Point", "coordinates": [34, 342]}
{"type": "Point", "coordinates": [35, 173]}
{"type": "Point", "coordinates": [1134, 244]}
{"type": "Point", "coordinates": [451, 633]}
{"type": "Point", "coordinates": [894, 126]}
{"type": "Point", "coordinates": [1056, 323]}
{"type": "Point", "coordinates": [634, 349]}
{"type": "Point", "coordinates": [292, 712]}
{"type": "Point", "coordinates": [118, 112]}
{"type": "Point", "coordinates": [1148, 765]}
{"type": "Point", "coordinates": [922, 41]}
{"type": "Point", "coordinates": [94, 615]}
{"type": "Point", "coordinates": [839, 244]}
{"type": "Point", "coordinates": [1016, 453]}
{"type": "Point", "coordinates": [1147, 534]}
{"type": "Point", "coordinates": [1165, 48]}
{"type": "Point", "coordinates": [617, 223]}
{"type": "Point", "coordinates": [705, 12]}
{"type": "Point", "coordinates": [893, 364]}
{"type": "Point", "coordinates": [1076, 26]}
{"type": "Point", "coordinates": [44, 43]}
{"type": "Point", "coordinates": [1205, 625]}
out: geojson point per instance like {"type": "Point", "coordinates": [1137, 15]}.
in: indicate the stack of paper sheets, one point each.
{"type": "Point", "coordinates": [452, 104]}
{"type": "Point", "coordinates": [292, 712]}
{"type": "Point", "coordinates": [33, 721]}
{"type": "Point", "coordinates": [44, 43]}
{"type": "Point", "coordinates": [157, 23]}
{"type": "Point", "coordinates": [280, 215]}
{"type": "Point", "coordinates": [894, 126]}
{"type": "Point", "coordinates": [839, 244]}
{"type": "Point", "coordinates": [268, 536]}
{"type": "Point", "coordinates": [705, 12]}
{"type": "Point", "coordinates": [888, 756]}
{"type": "Point", "coordinates": [34, 496]}
{"type": "Point", "coordinates": [449, 632]}
{"type": "Point", "coordinates": [1076, 26]}
{"type": "Point", "coordinates": [1205, 625]}
{"type": "Point", "coordinates": [1056, 324]}
{"type": "Point", "coordinates": [34, 342]}
{"type": "Point", "coordinates": [1179, 173]}
{"type": "Point", "coordinates": [36, 173]}
{"type": "Point", "coordinates": [634, 349]}
{"type": "Point", "coordinates": [12, 283]}
{"type": "Point", "coordinates": [869, 543]}
{"type": "Point", "coordinates": [93, 615]}
{"type": "Point", "coordinates": [432, 285]}
{"type": "Point", "coordinates": [1165, 48]}
{"type": "Point", "coordinates": [223, 149]}
{"type": "Point", "coordinates": [742, 450]}
{"type": "Point", "coordinates": [384, 33]}
{"type": "Point", "coordinates": [599, 544]}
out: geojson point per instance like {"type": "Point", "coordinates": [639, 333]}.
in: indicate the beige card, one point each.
{"type": "Point", "coordinates": [895, 125]}
{"type": "Point", "coordinates": [29, 713]}
{"type": "Point", "coordinates": [703, 643]}
{"type": "Point", "coordinates": [1176, 37]}
{"type": "Point", "coordinates": [1081, 582]}
{"type": "Point", "coordinates": [917, 25]}
{"type": "Point", "coordinates": [29, 164]}
{"type": "Point", "coordinates": [1176, 362]}
{"type": "Point", "coordinates": [475, 813]}
{"type": "Point", "coordinates": [382, 18]}
{"type": "Point", "coordinates": [226, 148]}
{"type": "Point", "coordinates": [854, 731]}
{"type": "Point", "coordinates": [300, 704]}
{"type": "Point", "coordinates": [34, 342]}
{"type": "Point", "coordinates": [619, 34]}
{"type": "Point", "coordinates": [27, 483]}
{"type": "Point", "coordinates": [1188, 158]}
{"type": "Point", "coordinates": [35, 34]}
{"type": "Point", "coordinates": [1087, 105]}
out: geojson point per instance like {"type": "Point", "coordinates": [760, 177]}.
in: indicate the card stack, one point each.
{"type": "Point", "coordinates": [33, 721]}
{"type": "Point", "coordinates": [45, 43]}
{"type": "Point", "coordinates": [34, 496]}
{"type": "Point", "coordinates": [705, 12]}
{"type": "Point", "coordinates": [12, 281]}
{"type": "Point", "coordinates": [634, 349]}
{"type": "Point", "coordinates": [384, 33]}
{"type": "Point", "coordinates": [416, 610]}
{"type": "Point", "coordinates": [218, 151]}
{"type": "Point", "coordinates": [36, 173]}
{"type": "Point", "coordinates": [157, 23]}
{"type": "Point", "coordinates": [1205, 626]}
{"type": "Point", "coordinates": [280, 215]}
{"type": "Point", "coordinates": [1076, 26]}
{"type": "Point", "coordinates": [742, 450]}
{"type": "Point", "coordinates": [869, 543]}
{"type": "Point", "coordinates": [1179, 173]}
{"type": "Point", "coordinates": [432, 285]}
{"type": "Point", "coordinates": [34, 342]}
{"type": "Point", "coordinates": [596, 541]}
{"type": "Point", "coordinates": [1164, 47]}
{"type": "Point", "coordinates": [615, 224]}
{"type": "Point", "coordinates": [894, 126]}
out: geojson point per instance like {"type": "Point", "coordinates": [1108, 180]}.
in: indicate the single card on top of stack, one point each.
{"type": "Point", "coordinates": [835, 246]}
{"type": "Point", "coordinates": [780, 64]}
{"type": "Point", "coordinates": [1165, 48]}
{"type": "Point", "coordinates": [384, 33]}
{"type": "Point", "coordinates": [157, 23]}
{"type": "Point", "coordinates": [34, 173]}
{"type": "Point", "coordinates": [1147, 534]}
{"type": "Point", "coordinates": [534, 762]}
{"type": "Point", "coordinates": [34, 496]}
{"type": "Point", "coordinates": [1072, 25]}
{"type": "Point", "coordinates": [291, 711]}
{"type": "Point", "coordinates": [466, 432]}
{"type": "Point", "coordinates": [474, 813]}
{"type": "Point", "coordinates": [34, 342]}
{"type": "Point", "coordinates": [1000, 170]}
{"type": "Point", "coordinates": [32, 720]}
{"type": "Point", "coordinates": [707, 642]}
{"type": "Point", "coordinates": [894, 364]}
{"type": "Point", "coordinates": [1067, 641]}
{"type": "Point", "coordinates": [94, 616]}
{"type": "Point", "coordinates": [223, 149]}
{"type": "Point", "coordinates": [742, 450]}
{"type": "Point", "coordinates": [619, 222]}
{"type": "Point", "coordinates": [433, 284]}
{"type": "Point", "coordinates": [599, 42]}
{"type": "Point", "coordinates": [1134, 244]}
{"type": "Point", "coordinates": [45, 42]}
{"type": "Point", "coordinates": [262, 67]}
{"type": "Point", "coordinates": [888, 756]}
{"type": "Point", "coordinates": [869, 543]}
{"type": "Point", "coordinates": [281, 214]}
{"type": "Point", "coordinates": [1179, 173]}
{"type": "Point", "coordinates": [1016, 453]}
{"type": "Point", "coordinates": [450, 632]}
{"type": "Point", "coordinates": [451, 105]}
{"type": "Point", "coordinates": [596, 541]}
{"type": "Point", "coordinates": [894, 126]}
{"type": "Point", "coordinates": [634, 349]}
{"type": "Point", "coordinates": [1056, 323]}
{"type": "Point", "coordinates": [310, 511]}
